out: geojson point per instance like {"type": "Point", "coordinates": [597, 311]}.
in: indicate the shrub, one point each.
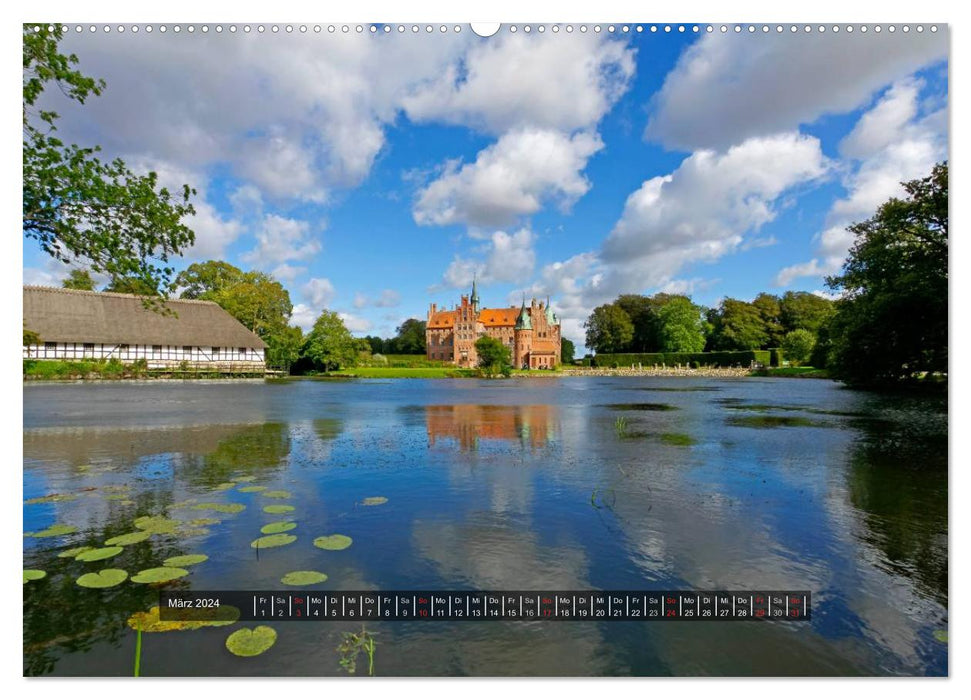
{"type": "Point", "coordinates": [743, 358]}
{"type": "Point", "coordinates": [798, 345]}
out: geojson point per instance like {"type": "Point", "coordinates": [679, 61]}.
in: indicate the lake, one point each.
{"type": "Point", "coordinates": [526, 484]}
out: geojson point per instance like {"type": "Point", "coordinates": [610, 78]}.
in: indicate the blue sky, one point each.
{"type": "Point", "coordinates": [374, 174]}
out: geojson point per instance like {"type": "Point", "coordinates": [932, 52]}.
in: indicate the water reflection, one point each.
{"type": "Point", "coordinates": [534, 426]}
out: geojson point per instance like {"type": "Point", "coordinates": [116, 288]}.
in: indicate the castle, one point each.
{"type": "Point", "coordinates": [532, 333]}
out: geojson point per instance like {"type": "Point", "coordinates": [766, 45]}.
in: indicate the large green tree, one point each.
{"type": "Point", "coordinates": [609, 329]}
{"type": "Point", "coordinates": [494, 356]}
{"type": "Point", "coordinates": [78, 207]}
{"type": "Point", "coordinates": [738, 325]}
{"type": "Point", "coordinates": [567, 351]}
{"type": "Point", "coordinates": [797, 346]}
{"type": "Point", "coordinates": [770, 309]}
{"type": "Point", "coordinates": [804, 310]}
{"type": "Point", "coordinates": [78, 279]}
{"type": "Point", "coordinates": [329, 345]}
{"type": "Point", "coordinates": [680, 326]}
{"type": "Point", "coordinates": [891, 324]}
{"type": "Point", "coordinates": [410, 338]}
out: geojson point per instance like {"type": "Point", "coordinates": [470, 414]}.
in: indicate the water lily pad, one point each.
{"type": "Point", "coordinates": [303, 578]}
{"type": "Point", "coordinates": [225, 486]}
{"type": "Point", "coordinates": [251, 489]}
{"type": "Point", "coordinates": [200, 522]}
{"type": "Point", "coordinates": [244, 479]}
{"type": "Point", "coordinates": [374, 501]}
{"type": "Point", "coordinates": [52, 498]}
{"type": "Point", "coordinates": [221, 507]}
{"type": "Point", "coordinates": [116, 497]}
{"type": "Point", "coordinates": [185, 560]}
{"type": "Point", "coordinates": [188, 619]}
{"type": "Point", "coordinates": [276, 510]}
{"type": "Point", "coordinates": [277, 527]}
{"type": "Point", "coordinates": [99, 554]}
{"type": "Point", "coordinates": [188, 532]}
{"type": "Point", "coordinates": [33, 575]}
{"type": "Point", "coordinates": [277, 494]}
{"type": "Point", "coordinates": [106, 578]}
{"type": "Point", "coordinates": [160, 574]}
{"type": "Point", "coordinates": [272, 541]}
{"type": "Point", "coordinates": [333, 542]}
{"type": "Point", "coordinates": [251, 642]}
{"type": "Point", "coordinates": [73, 552]}
{"type": "Point", "coordinates": [55, 530]}
{"type": "Point", "coordinates": [157, 524]}
{"type": "Point", "coordinates": [941, 636]}
{"type": "Point", "coordinates": [129, 538]}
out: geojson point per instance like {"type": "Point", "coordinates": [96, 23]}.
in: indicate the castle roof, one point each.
{"type": "Point", "coordinates": [442, 319]}
{"type": "Point", "coordinates": [498, 317]}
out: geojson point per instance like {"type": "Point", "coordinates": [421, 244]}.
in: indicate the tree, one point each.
{"type": "Point", "coordinates": [207, 278]}
{"type": "Point", "coordinates": [283, 347]}
{"type": "Point", "coordinates": [609, 329]}
{"type": "Point", "coordinates": [377, 344]}
{"type": "Point", "coordinates": [891, 323]}
{"type": "Point", "coordinates": [131, 285]}
{"type": "Point", "coordinates": [797, 346]}
{"type": "Point", "coordinates": [804, 310]}
{"type": "Point", "coordinates": [410, 339]}
{"type": "Point", "coordinates": [329, 345]}
{"type": "Point", "coordinates": [80, 208]}
{"type": "Point", "coordinates": [78, 279]}
{"type": "Point", "coordinates": [494, 356]}
{"type": "Point", "coordinates": [770, 310]}
{"type": "Point", "coordinates": [641, 310]}
{"type": "Point", "coordinates": [680, 326]}
{"type": "Point", "coordinates": [738, 325]}
{"type": "Point", "coordinates": [567, 351]}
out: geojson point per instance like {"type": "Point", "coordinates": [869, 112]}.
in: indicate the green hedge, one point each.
{"type": "Point", "coordinates": [649, 359]}
{"type": "Point", "coordinates": [777, 357]}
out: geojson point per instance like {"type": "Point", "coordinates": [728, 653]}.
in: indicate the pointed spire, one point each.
{"type": "Point", "coordinates": [550, 316]}
{"type": "Point", "coordinates": [475, 295]}
{"type": "Point", "coordinates": [523, 322]}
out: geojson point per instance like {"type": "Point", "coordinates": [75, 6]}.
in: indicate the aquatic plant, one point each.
{"type": "Point", "coordinates": [221, 507]}
{"type": "Point", "coordinates": [277, 494]}
{"type": "Point", "coordinates": [333, 542]}
{"type": "Point", "coordinates": [374, 501]}
{"type": "Point", "coordinates": [159, 574]}
{"type": "Point", "coordinates": [251, 489]}
{"type": "Point", "coordinates": [106, 578]}
{"type": "Point", "coordinates": [99, 554]}
{"type": "Point", "coordinates": [225, 486]}
{"type": "Point", "coordinates": [352, 645]}
{"type": "Point", "coordinates": [278, 509]}
{"type": "Point", "coordinates": [157, 524]}
{"type": "Point", "coordinates": [129, 538]}
{"type": "Point", "coordinates": [303, 578]}
{"type": "Point", "coordinates": [73, 552]}
{"type": "Point", "coordinates": [678, 439]}
{"type": "Point", "coordinates": [251, 642]}
{"type": "Point", "coordinates": [52, 498]}
{"type": "Point", "coordinates": [199, 522]}
{"type": "Point", "coordinates": [187, 619]}
{"type": "Point", "coordinates": [277, 527]}
{"type": "Point", "coordinates": [37, 575]}
{"type": "Point", "coordinates": [185, 560]}
{"type": "Point", "coordinates": [620, 426]}
{"type": "Point", "coordinates": [55, 530]}
{"type": "Point", "coordinates": [272, 541]}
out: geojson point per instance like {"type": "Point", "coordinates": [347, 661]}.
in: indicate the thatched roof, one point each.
{"type": "Point", "coordinates": [73, 316]}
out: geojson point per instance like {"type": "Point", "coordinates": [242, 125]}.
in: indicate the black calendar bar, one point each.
{"type": "Point", "coordinates": [460, 606]}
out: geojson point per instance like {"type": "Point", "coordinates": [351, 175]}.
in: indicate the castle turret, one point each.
{"type": "Point", "coordinates": [475, 297]}
{"type": "Point", "coordinates": [522, 338]}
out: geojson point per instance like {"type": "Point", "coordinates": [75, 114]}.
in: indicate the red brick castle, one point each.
{"type": "Point", "coordinates": [532, 333]}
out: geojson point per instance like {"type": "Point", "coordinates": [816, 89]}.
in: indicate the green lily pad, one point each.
{"type": "Point", "coordinates": [160, 574]}
{"type": "Point", "coordinates": [157, 524]}
{"type": "Point", "coordinates": [225, 486]}
{"type": "Point", "coordinates": [251, 642]}
{"type": "Point", "coordinates": [251, 489]}
{"type": "Point", "coordinates": [276, 510]}
{"type": "Point", "coordinates": [55, 530]}
{"type": "Point", "coordinates": [374, 501]}
{"type": "Point", "coordinates": [277, 494]}
{"type": "Point", "coordinates": [33, 575]}
{"type": "Point", "coordinates": [941, 636]}
{"type": "Point", "coordinates": [106, 578]}
{"type": "Point", "coordinates": [189, 619]}
{"type": "Point", "coordinates": [333, 542]}
{"type": "Point", "coordinates": [129, 538]}
{"type": "Point", "coordinates": [185, 560]}
{"type": "Point", "coordinates": [73, 552]}
{"type": "Point", "coordinates": [99, 554]}
{"type": "Point", "coordinates": [303, 578]}
{"type": "Point", "coordinates": [52, 498]}
{"type": "Point", "coordinates": [221, 507]}
{"type": "Point", "coordinates": [277, 527]}
{"type": "Point", "coordinates": [200, 522]}
{"type": "Point", "coordinates": [244, 479]}
{"type": "Point", "coordinates": [117, 497]}
{"type": "Point", "coordinates": [272, 541]}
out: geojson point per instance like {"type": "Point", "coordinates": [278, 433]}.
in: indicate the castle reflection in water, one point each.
{"type": "Point", "coordinates": [534, 426]}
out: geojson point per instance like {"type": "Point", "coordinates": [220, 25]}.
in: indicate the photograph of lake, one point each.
{"type": "Point", "coordinates": [544, 350]}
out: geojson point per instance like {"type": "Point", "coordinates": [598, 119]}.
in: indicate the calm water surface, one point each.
{"type": "Point", "coordinates": [526, 484]}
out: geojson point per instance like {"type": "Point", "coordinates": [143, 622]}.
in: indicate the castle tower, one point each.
{"type": "Point", "coordinates": [475, 298]}
{"type": "Point", "coordinates": [522, 338]}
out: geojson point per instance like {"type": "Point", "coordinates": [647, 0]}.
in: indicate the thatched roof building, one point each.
{"type": "Point", "coordinates": [105, 318]}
